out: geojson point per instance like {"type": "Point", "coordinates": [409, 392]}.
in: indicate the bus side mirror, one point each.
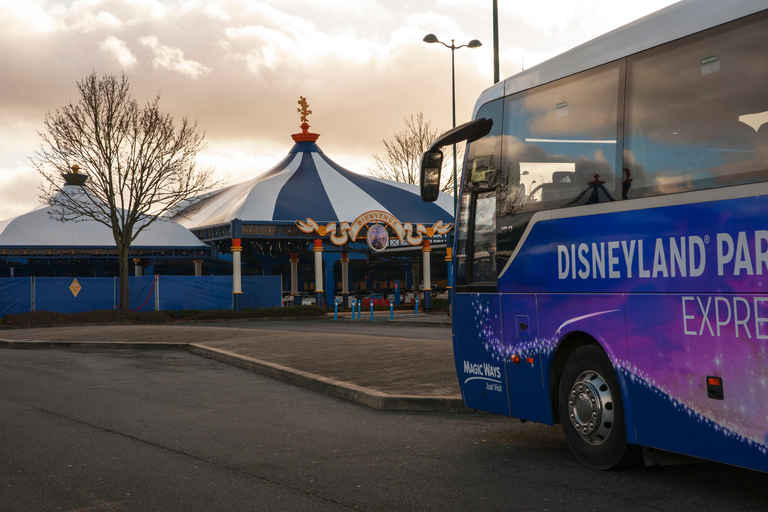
{"type": "Point", "coordinates": [431, 165]}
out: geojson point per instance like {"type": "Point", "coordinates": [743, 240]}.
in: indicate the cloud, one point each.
{"type": "Point", "coordinates": [119, 50]}
{"type": "Point", "coordinates": [26, 18]}
{"type": "Point", "coordinates": [91, 22]}
{"type": "Point", "coordinates": [216, 12]}
{"type": "Point", "coordinates": [238, 67]}
{"type": "Point", "coordinates": [19, 190]}
{"type": "Point", "coordinates": [173, 59]}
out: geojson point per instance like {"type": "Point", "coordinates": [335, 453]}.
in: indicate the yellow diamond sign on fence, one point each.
{"type": "Point", "coordinates": [75, 287]}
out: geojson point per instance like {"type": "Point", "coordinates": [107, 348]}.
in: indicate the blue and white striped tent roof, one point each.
{"type": "Point", "coordinates": [308, 184]}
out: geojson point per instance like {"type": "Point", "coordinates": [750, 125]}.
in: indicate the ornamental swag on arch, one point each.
{"type": "Point", "coordinates": [413, 234]}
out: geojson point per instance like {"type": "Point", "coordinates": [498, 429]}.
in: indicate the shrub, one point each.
{"type": "Point", "coordinates": [440, 304]}
{"type": "Point", "coordinates": [156, 317]}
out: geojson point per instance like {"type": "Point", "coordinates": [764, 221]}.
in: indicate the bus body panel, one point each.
{"type": "Point", "coordinates": [680, 342]}
{"type": "Point", "coordinates": [480, 352]}
{"type": "Point", "coordinates": [598, 318]}
{"type": "Point", "coordinates": [527, 385]}
{"type": "Point", "coordinates": [712, 246]}
{"type": "Point", "coordinates": [706, 319]}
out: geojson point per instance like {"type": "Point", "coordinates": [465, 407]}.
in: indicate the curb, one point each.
{"type": "Point", "coordinates": [171, 322]}
{"type": "Point", "coordinates": [419, 323]}
{"type": "Point", "coordinates": [351, 392]}
{"type": "Point", "coordinates": [338, 389]}
{"type": "Point", "coordinates": [100, 345]}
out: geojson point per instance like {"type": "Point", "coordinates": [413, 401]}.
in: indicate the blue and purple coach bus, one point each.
{"type": "Point", "coordinates": [611, 251]}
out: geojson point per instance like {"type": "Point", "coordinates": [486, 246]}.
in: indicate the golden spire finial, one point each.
{"type": "Point", "coordinates": [304, 136]}
{"type": "Point", "coordinates": [304, 110]}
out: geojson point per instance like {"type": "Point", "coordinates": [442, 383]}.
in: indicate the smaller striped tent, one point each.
{"type": "Point", "coordinates": [37, 228]}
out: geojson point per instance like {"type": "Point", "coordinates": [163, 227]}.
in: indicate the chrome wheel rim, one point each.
{"type": "Point", "coordinates": [590, 407]}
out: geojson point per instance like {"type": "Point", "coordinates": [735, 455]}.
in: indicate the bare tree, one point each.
{"type": "Point", "coordinates": [402, 155]}
{"type": "Point", "coordinates": [138, 165]}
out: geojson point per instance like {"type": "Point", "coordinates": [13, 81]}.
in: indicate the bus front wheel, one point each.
{"type": "Point", "coordinates": [592, 412]}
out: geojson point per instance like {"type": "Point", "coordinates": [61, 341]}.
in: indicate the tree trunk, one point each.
{"type": "Point", "coordinates": [124, 291]}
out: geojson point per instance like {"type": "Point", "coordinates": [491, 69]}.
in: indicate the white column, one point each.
{"type": "Point", "coordinates": [425, 251]}
{"type": "Point", "coordinates": [236, 270]}
{"type": "Point", "coordinates": [319, 290]}
{"type": "Point", "coordinates": [345, 278]}
{"type": "Point", "coordinates": [294, 273]}
{"type": "Point", "coordinates": [344, 273]}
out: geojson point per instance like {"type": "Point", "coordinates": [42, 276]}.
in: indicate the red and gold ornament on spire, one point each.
{"type": "Point", "coordinates": [305, 135]}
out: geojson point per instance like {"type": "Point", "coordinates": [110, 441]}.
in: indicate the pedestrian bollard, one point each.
{"type": "Point", "coordinates": [391, 310]}
{"type": "Point", "coordinates": [371, 310]}
{"type": "Point", "coordinates": [335, 309]}
{"type": "Point", "coordinates": [353, 309]}
{"type": "Point", "coordinates": [416, 311]}
{"type": "Point", "coordinates": [360, 309]}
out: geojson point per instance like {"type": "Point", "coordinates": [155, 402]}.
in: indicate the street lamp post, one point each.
{"type": "Point", "coordinates": [431, 38]}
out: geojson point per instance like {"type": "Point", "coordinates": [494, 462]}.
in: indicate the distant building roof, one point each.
{"type": "Point", "coordinates": [38, 229]}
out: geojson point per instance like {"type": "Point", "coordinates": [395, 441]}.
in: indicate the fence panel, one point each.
{"type": "Point", "coordinates": [15, 295]}
{"type": "Point", "coordinates": [70, 295]}
{"type": "Point", "coordinates": [261, 291]}
{"type": "Point", "coordinates": [74, 295]}
{"type": "Point", "coordinates": [195, 292]}
{"type": "Point", "coordinates": [141, 291]}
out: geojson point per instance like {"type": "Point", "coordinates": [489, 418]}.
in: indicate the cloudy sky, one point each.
{"type": "Point", "coordinates": [239, 66]}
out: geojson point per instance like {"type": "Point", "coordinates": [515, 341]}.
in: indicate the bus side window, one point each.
{"type": "Point", "coordinates": [561, 149]}
{"type": "Point", "coordinates": [697, 114]}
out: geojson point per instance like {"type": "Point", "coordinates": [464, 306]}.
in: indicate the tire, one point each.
{"type": "Point", "coordinates": [592, 411]}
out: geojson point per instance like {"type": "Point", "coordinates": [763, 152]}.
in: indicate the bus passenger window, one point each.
{"type": "Point", "coordinates": [561, 143]}
{"type": "Point", "coordinates": [697, 111]}
{"type": "Point", "coordinates": [561, 149]}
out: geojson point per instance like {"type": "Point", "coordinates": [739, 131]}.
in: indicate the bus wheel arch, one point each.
{"type": "Point", "coordinates": [591, 409]}
{"type": "Point", "coordinates": [567, 346]}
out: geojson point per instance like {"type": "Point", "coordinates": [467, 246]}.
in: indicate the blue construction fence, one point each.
{"type": "Point", "coordinates": [147, 293]}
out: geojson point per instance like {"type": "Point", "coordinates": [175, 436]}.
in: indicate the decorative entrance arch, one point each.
{"type": "Point", "coordinates": [418, 235]}
{"type": "Point", "coordinates": [347, 232]}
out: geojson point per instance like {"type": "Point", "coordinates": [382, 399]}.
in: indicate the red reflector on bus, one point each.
{"type": "Point", "coordinates": [715, 387]}
{"type": "Point", "coordinates": [529, 360]}
{"type": "Point", "coordinates": [515, 358]}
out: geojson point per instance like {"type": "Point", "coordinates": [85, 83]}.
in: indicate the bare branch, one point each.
{"type": "Point", "coordinates": [402, 155]}
{"type": "Point", "coordinates": [140, 165]}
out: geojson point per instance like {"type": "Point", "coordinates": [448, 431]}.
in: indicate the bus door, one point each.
{"type": "Point", "coordinates": [479, 342]}
{"type": "Point", "coordinates": [479, 339]}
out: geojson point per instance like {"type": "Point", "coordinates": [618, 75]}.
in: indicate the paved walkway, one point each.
{"type": "Point", "coordinates": [379, 365]}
